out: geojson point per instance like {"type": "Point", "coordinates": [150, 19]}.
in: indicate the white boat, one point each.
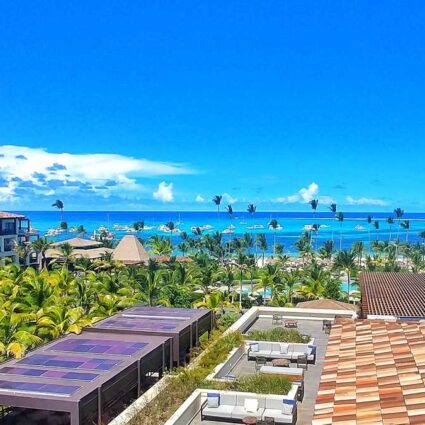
{"type": "Point", "coordinates": [278, 227]}
{"type": "Point", "coordinates": [149, 227]}
{"type": "Point", "coordinates": [359, 227]}
{"type": "Point", "coordinates": [228, 231]}
{"type": "Point", "coordinates": [52, 232]}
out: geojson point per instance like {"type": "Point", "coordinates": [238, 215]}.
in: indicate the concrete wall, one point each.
{"type": "Point", "coordinates": [188, 410]}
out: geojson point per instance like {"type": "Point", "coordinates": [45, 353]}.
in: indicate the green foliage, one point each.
{"type": "Point", "coordinates": [332, 290]}
{"type": "Point", "coordinates": [278, 335]}
{"type": "Point", "coordinates": [262, 384]}
{"type": "Point", "coordinates": [226, 320]}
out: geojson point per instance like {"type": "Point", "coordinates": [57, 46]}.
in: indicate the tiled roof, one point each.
{"type": "Point", "coordinates": [326, 304]}
{"type": "Point", "coordinates": [393, 294]}
{"type": "Point", "coordinates": [373, 373]}
{"type": "Point", "coordinates": [4, 214]}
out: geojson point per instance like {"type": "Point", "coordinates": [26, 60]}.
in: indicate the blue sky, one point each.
{"type": "Point", "coordinates": [161, 105]}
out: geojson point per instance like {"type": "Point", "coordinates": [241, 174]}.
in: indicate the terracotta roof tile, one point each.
{"type": "Point", "coordinates": [373, 374]}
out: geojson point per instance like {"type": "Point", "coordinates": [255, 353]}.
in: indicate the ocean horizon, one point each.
{"type": "Point", "coordinates": [354, 227]}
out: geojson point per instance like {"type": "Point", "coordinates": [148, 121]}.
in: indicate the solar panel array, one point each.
{"type": "Point", "coordinates": [39, 388]}
{"type": "Point", "coordinates": [46, 373]}
{"type": "Point", "coordinates": [68, 362]}
{"type": "Point", "coordinates": [98, 346]}
{"type": "Point", "coordinates": [136, 322]}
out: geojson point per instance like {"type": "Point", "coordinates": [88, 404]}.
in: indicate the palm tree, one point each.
{"type": "Point", "coordinates": [274, 224]}
{"type": "Point", "coordinates": [376, 225]}
{"type": "Point", "coordinates": [217, 201]}
{"type": "Point", "coordinates": [390, 222]}
{"type": "Point", "coordinates": [369, 220]}
{"type": "Point", "coordinates": [406, 226]}
{"type": "Point", "coordinates": [171, 227]}
{"type": "Point", "coordinates": [216, 301]}
{"type": "Point", "coordinates": [60, 206]}
{"type": "Point", "coordinates": [358, 248]}
{"type": "Point", "coordinates": [340, 218]}
{"type": "Point", "coordinates": [81, 230]}
{"type": "Point", "coordinates": [251, 209]}
{"type": "Point", "coordinates": [332, 209]}
{"type": "Point", "coordinates": [399, 215]}
{"type": "Point", "coordinates": [66, 253]}
{"type": "Point", "coordinates": [229, 210]}
{"type": "Point", "coordinates": [139, 225]}
{"type": "Point", "coordinates": [41, 245]}
{"type": "Point", "coordinates": [261, 243]}
{"type": "Point", "coordinates": [346, 261]}
{"type": "Point", "coordinates": [327, 249]}
{"type": "Point", "coordinates": [314, 203]}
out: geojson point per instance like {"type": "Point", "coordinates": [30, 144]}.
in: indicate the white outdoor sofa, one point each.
{"type": "Point", "coordinates": [280, 350]}
{"type": "Point", "coordinates": [290, 372]}
{"type": "Point", "coordinates": [232, 406]}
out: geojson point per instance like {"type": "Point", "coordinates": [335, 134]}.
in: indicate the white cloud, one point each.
{"type": "Point", "coordinates": [364, 201]}
{"type": "Point", "coordinates": [164, 192]}
{"type": "Point", "coordinates": [229, 199]}
{"type": "Point", "coordinates": [199, 198]}
{"type": "Point", "coordinates": [304, 195]}
{"type": "Point", "coordinates": [36, 171]}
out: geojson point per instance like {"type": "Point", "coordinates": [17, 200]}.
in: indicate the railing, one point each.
{"type": "Point", "coordinates": [8, 232]}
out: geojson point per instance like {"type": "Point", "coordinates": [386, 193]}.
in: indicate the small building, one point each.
{"type": "Point", "coordinates": [15, 229]}
{"type": "Point", "coordinates": [81, 248]}
{"type": "Point", "coordinates": [392, 295]}
{"type": "Point", "coordinates": [130, 251]}
{"type": "Point", "coordinates": [82, 379]}
{"type": "Point", "coordinates": [184, 326]}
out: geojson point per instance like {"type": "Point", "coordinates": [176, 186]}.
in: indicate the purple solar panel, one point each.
{"type": "Point", "coordinates": [35, 387]}
{"type": "Point", "coordinates": [69, 362]}
{"type": "Point", "coordinates": [178, 313]}
{"type": "Point", "coordinates": [137, 323]}
{"type": "Point", "coordinates": [98, 346]}
{"type": "Point", "coordinates": [57, 374]}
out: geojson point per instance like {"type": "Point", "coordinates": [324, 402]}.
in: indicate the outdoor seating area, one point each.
{"type": "Point", "coordinates": [302, 364]}
{"type": "Point", "coordinates": [280, 350]}
{"type": "Point", "coordinates": [240, 406]}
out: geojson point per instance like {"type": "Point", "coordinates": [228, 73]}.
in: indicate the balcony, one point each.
{"type": "Point", "coordinates": [8, 232]}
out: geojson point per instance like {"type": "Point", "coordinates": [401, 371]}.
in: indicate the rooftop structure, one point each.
{"type": "Point", "coordinates": [184, 326]}
{"type": "Point", "coordinates": [327, 304]}
{"type": "Point", "coordinates": [15, 230]}
{"type": "Point", "coordinates": [130, 251]}
{"type": "Point", "coordinates": [373, 374]}
{"type": "Point", "coordinates": [398, 295]}
{"type": "Point", "coordinates": [80, 243]}
{"type": "Point", "coordinates": [85, 376]}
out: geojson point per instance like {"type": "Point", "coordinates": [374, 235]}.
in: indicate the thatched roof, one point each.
{"type": "Point", "coordinates": [80, 243]}
{"type": "Point", "coordinates": [92, 253]}
{"type": "Point", "coordinates": [131, 251]}
{"type": "Point", "coordinates": [327, 304]}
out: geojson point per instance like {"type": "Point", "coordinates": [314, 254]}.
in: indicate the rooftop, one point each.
{"type": "Point", "coordinates": [130, 251]}
{"type": "Point", "coordinates": [5, 214]}
{"type": "Point", "coordinates": [79, 243]}
{"type": "Point", "coordinates": [327, 304]}
{"type": "Point", "coordinates": [373, 374]}
{"type": "Point", "coordinates": [390, 294]}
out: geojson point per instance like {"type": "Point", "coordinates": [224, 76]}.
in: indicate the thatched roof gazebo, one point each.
{"type": "Point", "coordinates": [130, 251]}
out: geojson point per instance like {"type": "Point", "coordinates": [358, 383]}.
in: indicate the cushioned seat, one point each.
{"type": "Point", "coordinates": [222, 411]}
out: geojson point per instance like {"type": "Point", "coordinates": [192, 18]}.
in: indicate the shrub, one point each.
{"type": "Point", "coordinates": [262, 384]}
{"type": "Point", "coordinates": [278, 335]}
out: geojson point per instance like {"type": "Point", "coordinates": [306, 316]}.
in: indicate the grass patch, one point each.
{"type": "Point", "coordinates": [180, 385]}
{"type": "Point", "coordinates": [262, 384]}
{"type": "Point", "coordinates": [278, 335]}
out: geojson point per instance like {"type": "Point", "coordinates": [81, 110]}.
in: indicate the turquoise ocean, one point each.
{"type": "Point", "coordinates": [354, 227]}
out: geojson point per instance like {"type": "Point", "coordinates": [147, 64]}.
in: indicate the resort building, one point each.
{"type": "Point", "coordinates": [81, 248]}
{"type": "Point", "coordinates": [392, 295]}
{"type": "Point", "coordinates": [15, 230]}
